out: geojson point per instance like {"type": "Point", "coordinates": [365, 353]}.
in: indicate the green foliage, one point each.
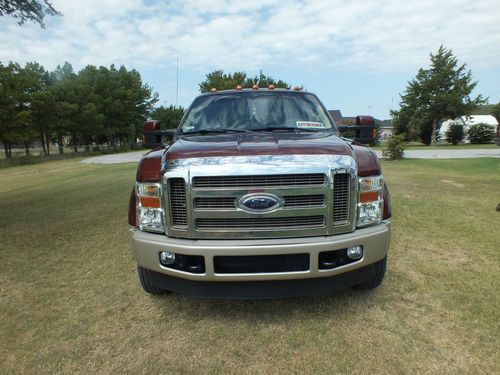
{"type": "Point", "coordinates": [169, 117]}
{"type": "Point", "coordinates": [455, 134]}
{"type": "Point", "coordinates": [97, 105]}
{"type": "Point", "coordinates": [228, 81]}
{"type": "Point", "coordinates": [395, 147]}
{"type": "Point", "coordinates": [481, 134]}
{"type": "Point", "coordinates": [439, 92]}
{"type": "Point", "coordinates": [28, 10]}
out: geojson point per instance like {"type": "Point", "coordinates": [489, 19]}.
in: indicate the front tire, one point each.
{"type": "Point", "coordinates": [147, 285]}
{"type": "Point", "coordinates": [377, 276]}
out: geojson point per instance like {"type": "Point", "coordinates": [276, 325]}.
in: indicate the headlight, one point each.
{"type": "Point", "coordinates": [370, 202]}
{"type": "Point", "coordinates": [149, 207]}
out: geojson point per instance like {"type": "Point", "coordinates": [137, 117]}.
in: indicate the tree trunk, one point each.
{"type": "Point", "coordinates": [60, 141]}
{"type": "Point", "coordinates": [42, 141]}
{"type": "Point", "coordinates": [433, 136]}
{"type": "Point", "coordinates": [6, 148]}
{"type": "Point", "coordinates": [27, 148]}
{"type": "Point", "coordinates": [73, 139]}
{"type": "Point", "coordinates": [47, 142]}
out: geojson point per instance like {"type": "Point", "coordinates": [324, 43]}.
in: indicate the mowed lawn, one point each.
{"type": "Point", "coordinates": [70, 301]}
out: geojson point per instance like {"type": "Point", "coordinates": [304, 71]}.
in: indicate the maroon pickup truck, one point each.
{"type": "Point", "coordinates": [258, 196]}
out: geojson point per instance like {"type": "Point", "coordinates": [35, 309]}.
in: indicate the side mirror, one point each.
{"type": "Point", "coordinates": [365, 120]}
{"type": "Point", "coordinates": [363, 132]}
{"type": "Point", "coordinates": [152, 135]}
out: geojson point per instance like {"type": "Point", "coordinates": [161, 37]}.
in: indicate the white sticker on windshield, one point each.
{"type": "Point", "coordinates": [310, 125]}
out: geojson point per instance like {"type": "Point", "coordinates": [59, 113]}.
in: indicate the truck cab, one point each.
{"type": "Point", "coordinates": [258, 196]}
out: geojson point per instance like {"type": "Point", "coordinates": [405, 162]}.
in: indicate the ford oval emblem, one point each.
{"type": "Point", "coordinates": [259, 203]}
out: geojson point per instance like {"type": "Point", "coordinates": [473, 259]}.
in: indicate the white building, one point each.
{"type": "Point", "coordinates": [467, 121]}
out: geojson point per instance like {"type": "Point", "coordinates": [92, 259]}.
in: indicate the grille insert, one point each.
{"type": "Point", "coordinates": [305, 200]}
{"type": "Point", "coordinates": [341, 198]}
{"type": "Point", "coordinates": [177, 199]}
{"type": "Point", "coordinates": [214, 182]}
{"type": "Point", "coordinates": [221, 203]}
{"type": "Point", "coordinates": [216, 203]}
{"type": "Point", "coordinates": [261, 223]}
{"type": "Point", "coordinates": [261, 263]}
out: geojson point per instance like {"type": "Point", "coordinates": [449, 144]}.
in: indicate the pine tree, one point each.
{"type": "Point", "coordinates": [442, 91]}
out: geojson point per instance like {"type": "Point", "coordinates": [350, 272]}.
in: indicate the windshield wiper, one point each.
{"type": "Point", "coordinates": [286, 128]}
{"type": "Point", "coordinates": [213, 131]}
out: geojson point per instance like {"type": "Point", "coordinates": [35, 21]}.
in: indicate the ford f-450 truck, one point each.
{"type": "Point", "coordinates": [259, 196]}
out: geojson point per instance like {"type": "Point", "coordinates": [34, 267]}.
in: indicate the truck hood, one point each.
{"type": "Point", "coordinates": [249, 144]}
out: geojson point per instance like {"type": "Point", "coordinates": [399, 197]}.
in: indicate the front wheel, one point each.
{"type": "Point", "coordinates": [145, 279]}
{"type": "Point", "coordinates": [376, 277]}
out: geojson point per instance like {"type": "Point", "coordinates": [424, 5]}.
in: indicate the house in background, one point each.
{"type": "Point", "coordinates": [385, 128]}
{"type": "Point", "coordinates": [466, 122]}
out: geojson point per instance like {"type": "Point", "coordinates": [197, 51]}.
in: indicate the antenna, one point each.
{"type": "Point", "coordinates": [177, 83]}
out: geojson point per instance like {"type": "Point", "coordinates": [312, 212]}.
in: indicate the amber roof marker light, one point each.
{"type": "Point", "coordinates": [255, 87]}
{"type": "Point", "coordinates": [239, 87]}
{"type": "Point", "coordinates": [297, 88]}
{"type": "Point", "coordinates": [213, 89]}
{"type": "Point", "coordinates": [271, 87]}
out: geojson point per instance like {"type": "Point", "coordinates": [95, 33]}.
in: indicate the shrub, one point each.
{"type": "Point", "coordinates": [455, 134]}
{"type": "Point", "coordinates": [481, 134]}
{"type": "Point", "coordinates": [395, 147]}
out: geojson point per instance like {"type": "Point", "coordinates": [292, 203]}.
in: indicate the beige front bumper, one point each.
{"type": "Point", "coordinates": [147, 246]}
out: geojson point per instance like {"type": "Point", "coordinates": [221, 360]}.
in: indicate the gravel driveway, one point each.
{"type": "Point", "coordinates": [134, 157]}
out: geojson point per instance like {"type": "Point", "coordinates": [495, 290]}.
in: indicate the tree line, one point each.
{"type": "Point", "coordinates": [97, 105]}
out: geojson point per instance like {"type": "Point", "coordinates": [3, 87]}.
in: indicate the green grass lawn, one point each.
{"type": "Point", "coordinates": [70, 300]}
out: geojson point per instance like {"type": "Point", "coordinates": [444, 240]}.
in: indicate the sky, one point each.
{"type": "Point", "coordinates": [357, 56]}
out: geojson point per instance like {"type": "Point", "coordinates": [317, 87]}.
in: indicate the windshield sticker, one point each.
{"type": "Point", "coordinates": [310, 125]}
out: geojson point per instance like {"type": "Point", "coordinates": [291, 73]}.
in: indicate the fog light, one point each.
{"type": "Point", "coordinates": [167, 258]}
{"type": "Point", "coordinates": [355, 252]}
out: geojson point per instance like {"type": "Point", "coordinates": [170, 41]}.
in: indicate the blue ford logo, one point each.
{"type": "Point", "coordinates": [259, 203]}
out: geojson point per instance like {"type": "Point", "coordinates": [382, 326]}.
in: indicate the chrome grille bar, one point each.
{"type": "Point", "coordinates": [177, 198]}
{"type": "Point", "coordinates": [222, 203]}
{"type": "Point", "coordinates": [341, 198]}
{"type": "Point", "coordinates": [262, 223]}
{"type": "Point", "coordinates": [217, 182]}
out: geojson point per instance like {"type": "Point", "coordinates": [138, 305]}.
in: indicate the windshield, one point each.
{"type": "Point", "coordinates": [254, 111]}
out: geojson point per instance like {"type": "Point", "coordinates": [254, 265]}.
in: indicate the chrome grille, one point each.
{"type": "Point", "coordinates": [177, 199]}
{"type": "Point", "coordinates": [304, 201]}
{"type": "Point", "coordinates": [220, 203]}
{"type": "Point", "coordinates": [216, 203]}
{"type": "Point", "coordinates": [261, 222]}
{"type": "Point", "coordinates": [214, 182]}
{"type": "Point", "coordinates": [341, 198]}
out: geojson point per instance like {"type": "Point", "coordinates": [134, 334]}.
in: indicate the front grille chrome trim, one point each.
{"type": "Point", "coordinates": [264, 181]}
{"type": "Point", "coordinates": [213, 213]}
{"type": "Point", "coordinates": [260, 223]}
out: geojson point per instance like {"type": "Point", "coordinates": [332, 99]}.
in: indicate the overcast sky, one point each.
{"type": "Point", "coordinates": [356, 55]}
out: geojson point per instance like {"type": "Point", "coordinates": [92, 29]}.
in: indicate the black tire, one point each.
{"type": "Point", "coordinates": [376, 277]}
{"type": "Point", "coordinates": [145, 279]}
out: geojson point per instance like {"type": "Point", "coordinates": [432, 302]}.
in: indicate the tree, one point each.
{"type": "Point", "coordinates": [481, 134]}
{"type": "Point", "coordinates": [63, 88]}
{"type": "Point", "coordinates": [17, 87]}
{"type": "Point", "coordinates": [439, 92]}
{"type": "Point", "coordinates": [169, 117]}
{"type": "Point", "coordinates": [455, 134]}
{"type": "Point", "coordinates": [28, 10]}
{"type": "Point", "coordinates": [227, 81]}
{"type": "Point", "coordinates": [395, 147]}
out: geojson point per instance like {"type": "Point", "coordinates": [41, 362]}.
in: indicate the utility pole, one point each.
{"type": "Point", "coordinates": [177, 83]}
